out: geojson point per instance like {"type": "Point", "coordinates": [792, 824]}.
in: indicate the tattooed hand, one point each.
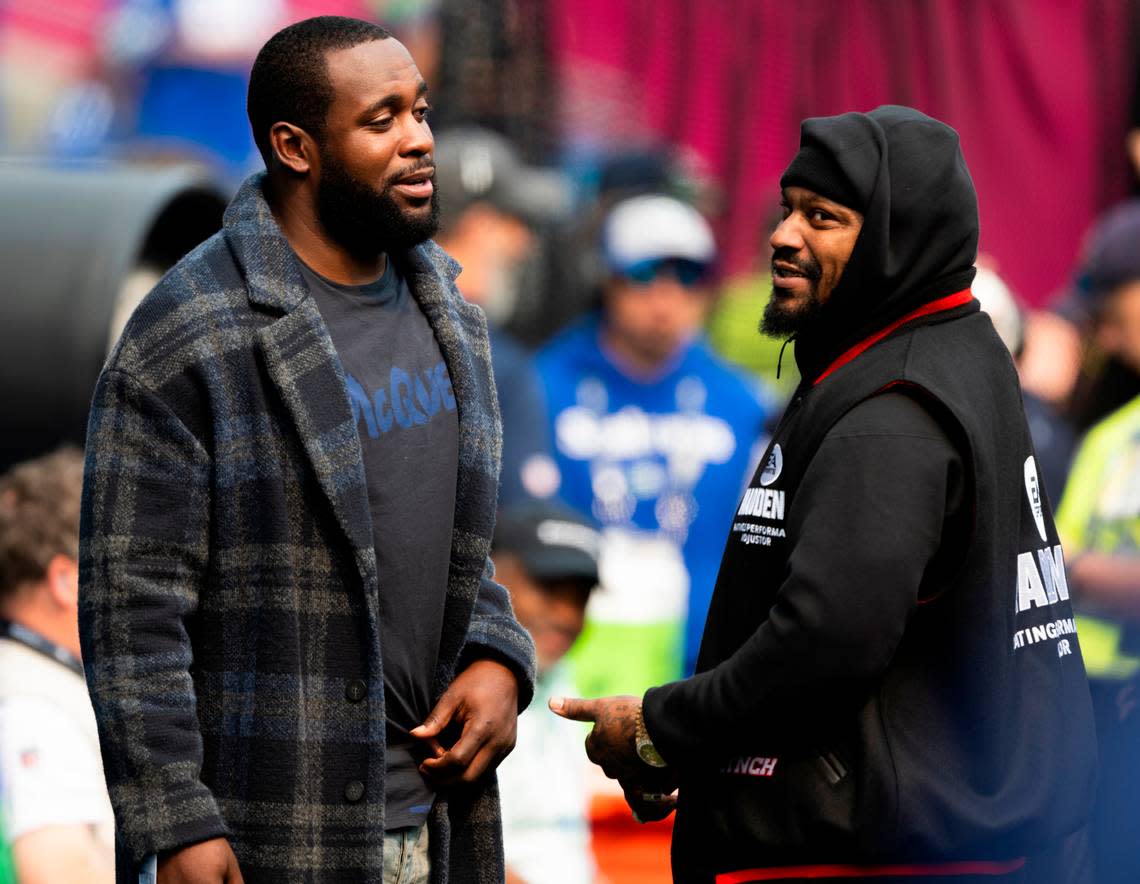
{"type": "Point", "coordinates": [612, 744]}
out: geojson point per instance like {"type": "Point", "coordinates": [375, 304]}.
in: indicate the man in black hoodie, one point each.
{"type": "Point", "coordinates": [889, 684]}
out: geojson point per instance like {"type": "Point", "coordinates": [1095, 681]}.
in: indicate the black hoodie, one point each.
{"type": "Point", "coordinates": [889, 674]}
{"type": "Point", "coordinates": [905, 172]}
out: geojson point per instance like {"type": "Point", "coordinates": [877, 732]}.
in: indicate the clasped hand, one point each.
{"type": "Point", "coordinates": [482, 702]}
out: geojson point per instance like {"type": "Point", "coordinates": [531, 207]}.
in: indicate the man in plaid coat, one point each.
{"type": "Point", "coordinates": [238, 579]}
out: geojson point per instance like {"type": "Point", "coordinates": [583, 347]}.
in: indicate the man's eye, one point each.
{"type": "Point", "coordinates": [422, 112]}
{"type": "Point", "coordinates": [382, 123]}
{"type": "Point", "coordinates": [819, 215]}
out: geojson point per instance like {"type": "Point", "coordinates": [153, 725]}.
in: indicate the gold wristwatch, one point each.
{"type": "Point", "coordinates": [646, 751]}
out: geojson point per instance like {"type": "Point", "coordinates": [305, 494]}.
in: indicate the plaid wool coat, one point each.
{"type": "Point", "coordinates": [228, 586]}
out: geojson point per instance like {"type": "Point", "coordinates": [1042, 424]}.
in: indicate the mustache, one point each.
{"type": "Point", "coordinates": [809, 267]}
{"type": "Point", "coordinates": [426, 163]}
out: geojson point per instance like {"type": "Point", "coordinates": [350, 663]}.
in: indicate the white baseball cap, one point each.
{"type": "Point", "coordinates": [653, 228]}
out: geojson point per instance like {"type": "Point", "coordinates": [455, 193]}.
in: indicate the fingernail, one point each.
{"type": "Point", "coordinates": [556, 704]}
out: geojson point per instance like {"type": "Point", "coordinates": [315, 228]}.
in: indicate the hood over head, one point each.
{"type": "Point", "coordinates": [904, 171]}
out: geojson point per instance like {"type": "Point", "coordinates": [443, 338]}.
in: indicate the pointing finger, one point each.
{"type": "Point", "coordinates": [575, 709]}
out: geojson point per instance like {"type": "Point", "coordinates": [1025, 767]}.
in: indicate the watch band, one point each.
{"type": "Point", "coordinates": [646, 751]}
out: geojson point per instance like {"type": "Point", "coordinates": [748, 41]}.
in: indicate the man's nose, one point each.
{"type": "Point", "coordinates": [418, 139]}
{"type": "Point", "coordinates": [787, 235]}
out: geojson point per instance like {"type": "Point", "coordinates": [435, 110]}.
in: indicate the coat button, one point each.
{"type": "Point", "coordinates": [353, 791]}
{"type": "Point", "coordinates": [356, 690]}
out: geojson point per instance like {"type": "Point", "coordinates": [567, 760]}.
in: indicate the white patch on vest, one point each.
{"type": "Point", "coordinates": [1033, 492]}
{"type": "Point", "coordinates": [773, 466]}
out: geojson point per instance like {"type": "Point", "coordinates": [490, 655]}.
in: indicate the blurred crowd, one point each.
{"type": "Point", "coordinates": [628, 431]}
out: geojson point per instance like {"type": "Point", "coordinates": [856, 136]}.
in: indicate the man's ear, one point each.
{"type": "Point", "coordinates": [63, 581]}
{"type": "Point", "coordinates": [293, 147]}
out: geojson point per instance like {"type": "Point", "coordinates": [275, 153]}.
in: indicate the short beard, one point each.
{"type": "Point", "coordinates": [365, 221]}
{"type": "Point", "coordinates": [782, 321]}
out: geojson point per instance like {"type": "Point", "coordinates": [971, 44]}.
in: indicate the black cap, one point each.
{"type": "Point", "coordinates": [553, 541]}
{"type": "Point", "coordinates": [1112, 258]}
{"type": "Point", "coordinates": [477, 165]}
{"type": "Point", "coordinates": [1109, 258]}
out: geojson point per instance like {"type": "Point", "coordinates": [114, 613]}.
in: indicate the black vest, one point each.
{"type": "Point", "coordinates": [977, 743]}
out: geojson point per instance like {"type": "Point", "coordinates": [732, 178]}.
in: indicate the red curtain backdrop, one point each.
{"type": "Point", "coordinates": [1038, 92]}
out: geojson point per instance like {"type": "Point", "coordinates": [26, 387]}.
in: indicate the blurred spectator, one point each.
{"type": "Point", "coordinates": [180, 55]}
{"type": "Point", "coordinates": [570, 270]}
{"type": "Point", "coordinates": [489, 202]}
{"type": "Point", "coordinates": [1053, 435]}
{"type": "Point", "coordinates": [547, 556]}
{"type": "Point", "coordinates": [1102, 309]}
{"type": "Point", "coordinates": [56, 808]}
{"type": "Point", "coordinates": [1099, 523]}
{"type": "Point", "coordinates": [653, 435]}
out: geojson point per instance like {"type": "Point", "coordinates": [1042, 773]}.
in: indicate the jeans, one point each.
{"type": "Point", "coordinates": [406, 858]}
{"type": "Point", "coordinates": [148, 872]}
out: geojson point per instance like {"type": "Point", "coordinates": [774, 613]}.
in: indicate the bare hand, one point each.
{"type": "Point", "coordinates": [612, 744]}
{"type": "Point", "coordinates": [483, 701]}
{"type": "Point", "coordinates": [207, 862]}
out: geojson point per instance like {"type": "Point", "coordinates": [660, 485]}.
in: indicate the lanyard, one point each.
{"type": "Point", "coordinates": [26, 637]}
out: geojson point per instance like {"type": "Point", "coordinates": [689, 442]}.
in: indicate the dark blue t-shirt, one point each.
{"type": "Point", "coordinates": [405, 413]}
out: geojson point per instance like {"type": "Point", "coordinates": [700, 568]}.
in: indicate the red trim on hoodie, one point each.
{"type": "Point", "coordinates": [947, 303]}
{"type": "Point", "coordinates": [931, 870]}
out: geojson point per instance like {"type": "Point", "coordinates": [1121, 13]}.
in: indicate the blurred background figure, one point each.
{"type": "Point", "coordinates": [1104, 304]}
{"type": "Point", "coordinates": [56, 810]}
{"type": "Point", "coordinates": [653, 435]}
{"type": "Point", "coordinates": [1099, 524]}
{"type": "Point", "coordinates": [652, 432]}
{"type": "Point", "coordinates": [1052, 432]}
{"type": "Point", "coordinates": [547, 556]}
{"type": "Point", "coordinates": [490, 206]}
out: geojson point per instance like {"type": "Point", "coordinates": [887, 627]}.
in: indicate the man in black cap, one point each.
{"type": "Point", "coordinates": [492, 207]}
{"type": "Point", "coordinates": [547, 556]}
{"type": "Point", "coordinates": [889, 684]}
{"type": "Point", "coordinates": [1099, 522]}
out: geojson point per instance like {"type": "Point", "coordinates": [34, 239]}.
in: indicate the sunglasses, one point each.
{"type": "Point", "coordinates": [688, 273]}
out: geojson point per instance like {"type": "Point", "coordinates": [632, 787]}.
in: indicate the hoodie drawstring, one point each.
{"type": "Point", "coordinates": [780, 359]}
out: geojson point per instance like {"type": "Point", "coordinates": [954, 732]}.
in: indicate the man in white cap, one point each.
{"type": "Point", "coordinates": [653, 435]}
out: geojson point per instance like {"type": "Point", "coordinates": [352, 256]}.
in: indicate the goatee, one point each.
{"type": "Point", "coordinates": [366, 221]}
{"type": "Point", "coordinates": [781, 319]}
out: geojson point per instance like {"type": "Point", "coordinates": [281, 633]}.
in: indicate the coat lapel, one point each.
{"type": "Point", "coordinates": [461, 331]}
{"type": "Point", "coordinates": [302, 363]}
{"type": "Point", "coordinates": [303, 366]}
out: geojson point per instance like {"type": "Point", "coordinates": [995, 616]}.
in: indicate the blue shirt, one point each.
{"type": "Point", "coordinates": [666, 457]}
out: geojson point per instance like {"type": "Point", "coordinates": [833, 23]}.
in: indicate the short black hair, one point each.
{"type": "Point", "coordinates": [289, 80]}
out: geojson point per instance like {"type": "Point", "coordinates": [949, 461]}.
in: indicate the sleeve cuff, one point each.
{"type": "Point", "coordinates": [521, 664]}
